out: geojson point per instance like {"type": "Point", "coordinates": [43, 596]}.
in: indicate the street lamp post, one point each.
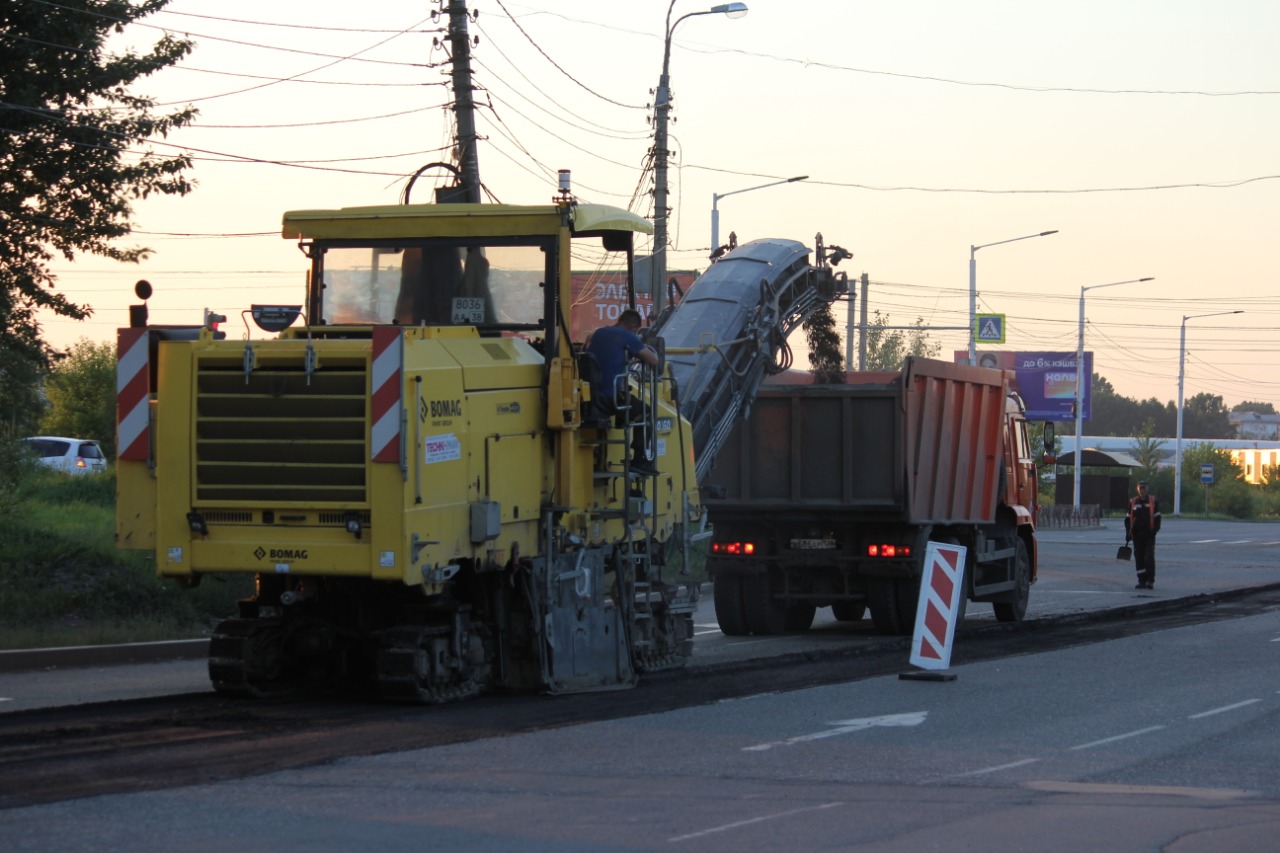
{"type": "Point", "coordinates": [1079, 401]}
{"type": "Point", "coordinates": [662, 110]}
{"type": "Point", "coordinates": [1177, 454]}
{"type": "Point", "coordinates": [715, 201]}
{"type": "Point", "coordinates": [973, 287]}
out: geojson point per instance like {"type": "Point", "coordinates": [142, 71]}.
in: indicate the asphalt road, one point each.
{"type": "Point", "coordinates": [1159, 741]}
{"type": "Point", "coordinates": [1078, 574]}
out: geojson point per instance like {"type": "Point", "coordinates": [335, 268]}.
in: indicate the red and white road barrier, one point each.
{"type": "Point", "coordinates": [941, 586]}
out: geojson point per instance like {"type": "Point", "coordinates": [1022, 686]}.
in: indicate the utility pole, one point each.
{"type": "Point", "coordinates": [862, 331]}
{"type": "Point", "coordinates": [463, 103]}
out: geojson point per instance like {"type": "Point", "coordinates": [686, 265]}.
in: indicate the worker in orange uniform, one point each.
{"type": "Point", "coordinates": [1141, 525]}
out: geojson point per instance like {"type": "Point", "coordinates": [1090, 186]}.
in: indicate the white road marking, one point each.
{"type": "Point", "coordinates": [1201, 541]}
{"type": "Point", "coordinates": [844, 727]}
{"type": "Point", "coordinates": [1160, 790]}
{"type": "Point", "coordinates": [1000, 767]}
{"type": "Point", "coordinates": [6, 699]}
{"type": "Point", "coordinates": [1223, 709]}
{"type": "Point", "coordinates": [1238, 542]}
{"type": "Point", "coordinates": [1092, 744]}
{"type": "Point", "coordinates": [741, 823]}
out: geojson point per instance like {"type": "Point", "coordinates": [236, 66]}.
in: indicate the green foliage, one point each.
{"type": "Point", "coordinates": [1206, 416]}
{"type": "Point", "coordinates": [1148, 450]}
{"type": "Point", "coordinates": [17, 470]}
{"type": "Point", "coordinates": [1268, 493]}
{"type": "Point", "coordinates": [20, 400]}
{"type": "Point", "coordinates": [1113, 414]}
{"type": "Point", "coordinates": [63, 582]}
{"type": "Point", "coordinates": [1253, 406]}
{"type": "Point", "coordinates": [1229, 494]}
{"type": "Point", "coordinates": [82, 395]}
{"type": "Point", "coordinates": [1044, 473]}
{"type": "Point", "coordinates": [75, 157]}
{"type": "Point", "coordinates": [887, 349]}
{"type": "Point", "coordinates": [1203, 416]}
{"type": "Point", "coordinates": [825, 359]}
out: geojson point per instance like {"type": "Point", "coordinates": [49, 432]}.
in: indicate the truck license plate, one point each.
{"type": "Point", "coordinates": [813, 544]}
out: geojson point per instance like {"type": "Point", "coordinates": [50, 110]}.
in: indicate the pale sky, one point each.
{"type": "Point", "coordinates": [1147, 132]}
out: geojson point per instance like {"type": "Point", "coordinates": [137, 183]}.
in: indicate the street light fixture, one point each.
{"type": "Point", "coordinates": [973, 287]}
{"type": "Point", "coordinates": [1182, 353]}
{"type": "Point", "coordinates": [662, 110]}
{"type": "Point", "coordinates": [715, 200]}
{"type": "Point", "coordinates": [1079, 456]}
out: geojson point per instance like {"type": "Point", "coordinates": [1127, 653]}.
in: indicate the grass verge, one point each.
{"type": "Point", "coordinates": [62, 581]}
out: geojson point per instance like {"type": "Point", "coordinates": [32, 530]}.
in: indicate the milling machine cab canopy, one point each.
{"type": "Point", "coordinates": [483, 266]}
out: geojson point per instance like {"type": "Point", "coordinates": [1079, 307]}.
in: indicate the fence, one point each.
{"type": "Point", "coordinates": [1066, 515]}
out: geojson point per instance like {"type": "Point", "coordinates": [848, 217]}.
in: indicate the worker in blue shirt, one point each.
{"type": "Point", "coordinates": [614, 347]}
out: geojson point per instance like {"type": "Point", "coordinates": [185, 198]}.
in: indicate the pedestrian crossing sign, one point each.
{"type": "Point", "coordinates": [989, 329]}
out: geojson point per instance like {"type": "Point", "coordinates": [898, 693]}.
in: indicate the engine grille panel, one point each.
{"type": "Point", "coordinates": [283, 435]}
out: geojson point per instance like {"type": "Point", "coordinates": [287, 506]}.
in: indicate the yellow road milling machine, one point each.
{"type": "Point", "coordinates": [413, 469]}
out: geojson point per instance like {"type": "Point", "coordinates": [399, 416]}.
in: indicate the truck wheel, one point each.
{"type": "Point", "coordinates": [730, 613]}
{"type": "Point", "coordinates": [800, 617]}
{"type": "Point", "coordinates": [1015, 609]}
{"type": "Point", "coordinates": [849, 611]}
{"type": "Point", "coordinates": [907, 600]}
{"type": "Point", "coordinates": [882, 597]}
{"type": "Point", "coordinates": [765, 616]}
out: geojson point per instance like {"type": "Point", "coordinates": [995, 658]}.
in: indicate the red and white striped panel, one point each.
{"type": "Point", "coordinates": [133, 391]}
{"type": "Point", "coordinates": [387, 390]}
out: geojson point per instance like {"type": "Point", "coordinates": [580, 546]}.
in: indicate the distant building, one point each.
{"type": "Point", "coordinates": [1253, 455]}
{"type": "Point", "coordinates": [1255, 425]}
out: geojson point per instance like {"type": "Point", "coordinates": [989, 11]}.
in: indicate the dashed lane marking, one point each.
{"type": "Point", "coordinates": [1125, 736]}
{"type": "Point", "coordinates": [741, 823]}
{"type": "Point", "coordinates": [1000, 767]}
{"type": "Point", "coordinates": [1223, 709]}
{"type": "Point", "coordinates": [1160, 790]}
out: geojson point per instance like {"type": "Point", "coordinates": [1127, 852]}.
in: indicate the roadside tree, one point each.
{"type": "Point", "coordinates": [82, 395]}
{"type": "Point", "coordinates": [1148, 450]}
{"type": "Point", "coordinates": [1252, 406]}
{"type": "Point", "coordinates": [887, 349]}
{"type": "Point", "coordinates": [1229, 494]}
{"type": "Point", "coordinates": [78, 151]}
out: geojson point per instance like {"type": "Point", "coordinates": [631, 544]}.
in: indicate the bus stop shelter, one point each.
{"type": "Point", "coordinates": [1108, 489]}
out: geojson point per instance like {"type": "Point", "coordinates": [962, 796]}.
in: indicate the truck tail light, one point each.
{"type": "Point", "coordinates": [888, 549]}
{"type": "Point", "coordinates": [736, 549]}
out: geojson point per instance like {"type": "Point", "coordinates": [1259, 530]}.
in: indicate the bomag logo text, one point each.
{"type": "Point", "coordinates": [288, 553]}
{"type": "Point", "coordinates": [446, 408]}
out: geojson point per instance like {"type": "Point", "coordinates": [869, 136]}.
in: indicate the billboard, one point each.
{"type": "Point", "coordinates": [598, 299]}
{"type": "Point", "coordinates": [1046, 381]}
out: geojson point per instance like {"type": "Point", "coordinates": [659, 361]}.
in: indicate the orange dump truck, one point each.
{"type": "Point", "coordinates": [827, 495]}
